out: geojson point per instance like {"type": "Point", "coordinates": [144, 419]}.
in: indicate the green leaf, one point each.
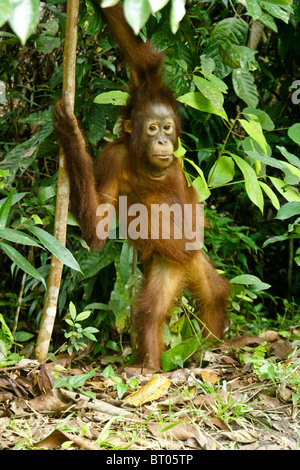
{"type": "Point", "coordinates": [88, 333]}
{"type": "Point", "coordinates": [5, 208]}
{"type": "Point", "coordinates": [46, 43]}
{"type": "Point", "coordinates": [180, 152]}
{"type": "Point", "coordinates": [250, 280]}
{"type": "Point", "coordinates": [273, 162]}
{"type": "Point", "coordinates": [276, 11]}
{"type": "Point", "coordinates": [72, 310]}
{"type": "Point", "coordinates": [183, 350]}
{"type": "Point", "coordinates": [24, 18]}
{"type": "Point", "coordinates": [270, 193]}
{"type": "Point", "coordinates": [126, 262]}
{"type": "Point", "coordinates": [254, 129]}
{"type": "Point", "coordinates": [198, 101]}
{"type": "Point", "coordinates": [17, 237]}
{"type": "Point", "coordinates": [22, 336]}
{"type": "Point", "coordinates": [22, 262]}
{"type": "Point", "coordinates": [294, 133]}
{"type": "Point", "coordinates": [115, 97]}
{"type": "Point", "coordinates": [5, 10]}
{"type": "Point", "coordinates": [287, 192]}
{"type": "Point", "coordinates": [252, 186]}
{"type": "Point", "coordinates": [83, 315]}
{"type": "Point", "coordinates": [290, 209]}
{"type": "Point", "coordinates": [244, 86]}
{"type": "Point", "coordinates": [211, 91]}
{"type": "Point", "coordinates": [176, 14]}
{"type": "Point", "coordinates": [265, 121]}
{"type": "Point", "coordinates": [157, 5]}
{"type": "Point", "coordinates": [289, 156]}
{"type": "Point", "coordinates": [268, 21]}
{"type": "Point", "coordinates": [253, 9]}
{"type": "Point", "coordinates": [55, 247]}
{"type": "Point", "coordinates": [222, 172]}
{"type": "Point", "coordinates": [200, 182]}
{"type": "Point", "coordinates": [121, 389]}
{"type": "Point", "coordinates": [96, 125]}
{"type": "Point", "coordinates": [108, 3]}
{"type": "Point", "coordinates": [79, 380]}
{"type": "Point", "coordinates": [137, 13]}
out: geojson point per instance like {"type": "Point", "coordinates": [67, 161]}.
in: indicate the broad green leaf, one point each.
{"type": "Point", "coordinates": [108, 3]}
{"type": "Point", "coordinates": [289, 156]}
{"type": "Point", "coordinates": [22, 262]}
{"type": "Point", "coordinates": [24, 18]}
{"type": "Point", "coordinates": [115, 97]}
{"type": "Point", "coordinates": [268, 21]}
{"type": "Point", "coordinates": [266, 122]}
{"type": "Point", "coordinates": [253, 9]}
{"type": "Point", "coordinates": [252, 186]}
{"type": "Point", "coordinates": [270, 193]}
{"type": "Point", "coordinates": [126, 262]}
{"type": "Point", "coordinates": [244, 86]}
{"type": "Point", "coordinates": [294, 133]}
{"type": "Point", "coordinates": [200, 182]}
{"type": "Point", "coordinates": [276, 11]}
{"type": "Point", "coordinates": [180, 152]}
{"type": "Point", "coordinates": [137, 13]}
{"type": "Point", "coordinates": [47, 44]}
{"type": "Point", "coordinates": [96, 124]}
{"type": "Point", "coordinates": [72, 310]}
{"type": "Point", "coordinates": [5, 10]}
{"type": "Point", "coordinates": [273, 162]}
{"type": "Point", "coordinates": [198, 101]}
{"type": "Point", "coordinates": [157, 5]}
{"type": "Point", "coordinates": [222, 171]}
{"type": "Point", "coordinates": [176, 14]}
{"type": "Point", "coordinates": [290, 209]}
{"type": "Point", "coordinates": [5, 208]}
{"type": "Point", "coordinates": [83, 316]}
{"type": "Point", "coordinates": [17, 237]}
{"type": "Point", "coordinates": [183, 350]}
{"type": "Point", "coordinates": [55, 247]}
{"type": "Point", "coordinates": [201, 186]}
{"type": "Point", "coordinates": [253, 128]}
{"type": "Point", "coordinates": [288, 193]}
{"type": "Point", "coordinates": [210, 91]}
{"type": "Point", "coordinates": [292, 168]}
{"type": "Point", "coordinates": [250, 280]}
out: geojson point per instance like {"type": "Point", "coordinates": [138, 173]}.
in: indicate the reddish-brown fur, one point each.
{"type": "Point", "coordinates": [122, 170]}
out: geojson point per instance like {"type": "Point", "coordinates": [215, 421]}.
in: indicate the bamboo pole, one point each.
{"type": "Point", "coordinates": [63, 190]}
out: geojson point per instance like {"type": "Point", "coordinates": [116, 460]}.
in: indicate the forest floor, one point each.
{"type": "Point", "coordinates": [220, 402]}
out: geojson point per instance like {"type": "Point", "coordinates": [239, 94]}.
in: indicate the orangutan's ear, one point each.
{"type": "Point", "coordinates": [127, 126]}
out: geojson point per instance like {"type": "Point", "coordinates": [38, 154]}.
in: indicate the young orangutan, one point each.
{"type": "Point", "coordinates": [141, 166]}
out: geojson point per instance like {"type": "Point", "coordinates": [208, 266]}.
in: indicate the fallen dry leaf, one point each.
{"type": "Point", "coordinates": [156, 388]}
{"type": "Point", "coordinates": [242, 436]}
{"type": "Point", "coordinates": [269, 335]}
{"type": "Point", "coordinates": [210, 377]}
{"type": "Point", "coordinates": [57, 438]}
{"type": "Point", "coordinates": [45, 380]}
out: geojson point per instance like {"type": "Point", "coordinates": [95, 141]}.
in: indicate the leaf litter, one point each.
{"type": "Point", "coordinates": [219, 402]}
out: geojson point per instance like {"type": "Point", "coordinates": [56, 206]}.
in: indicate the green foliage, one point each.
{"type": "Point", "coordinates": [76, 382]}
{"type": "Point", "coordinates": [239, 146]}
{"type": "Point", "coordinates": [78, 336]}
{"type": "Point", "coordinates": [7, 358]}
{"type": "Point", "coordinates": [281, 374]}
{"type": "Point", "coordinates": [120, 387]}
